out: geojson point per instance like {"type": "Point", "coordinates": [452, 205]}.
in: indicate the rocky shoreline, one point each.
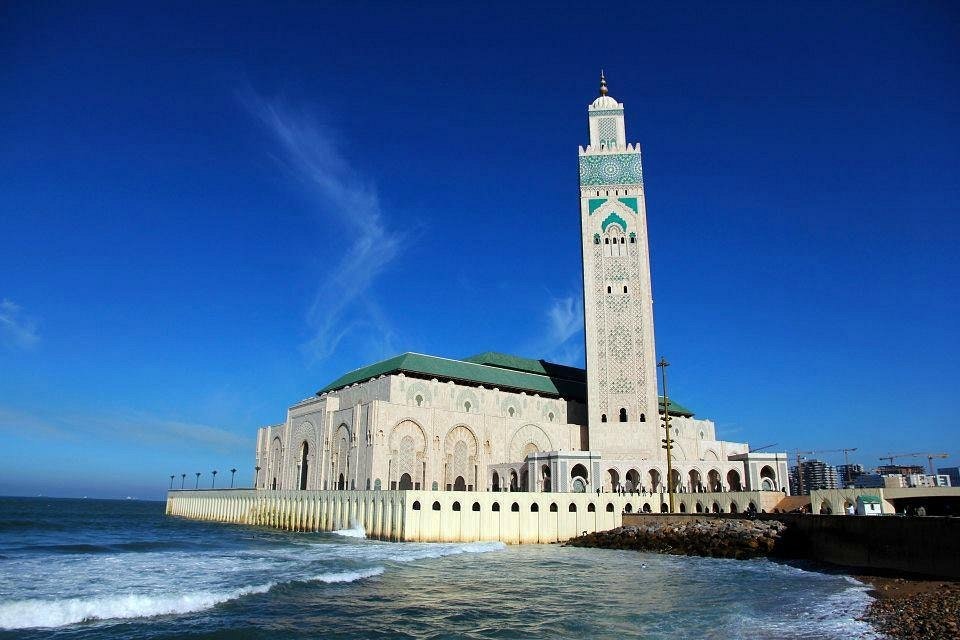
{"type": "Point", "coordinates": [740, 539]}
{"type": "Point", "coordinates": [904, 608]}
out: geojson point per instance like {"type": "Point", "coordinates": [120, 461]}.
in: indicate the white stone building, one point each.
{"type": "Point", "coordinates": [494, 422]}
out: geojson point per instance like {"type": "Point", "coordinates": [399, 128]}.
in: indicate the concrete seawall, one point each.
{"type": "Point", "coordinates": [926, 546]}
{"type": "Point", "coordinates": [419, 516]}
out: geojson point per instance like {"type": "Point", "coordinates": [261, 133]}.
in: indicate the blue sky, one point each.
{"type": "Point", "coordinates": [207, 213]}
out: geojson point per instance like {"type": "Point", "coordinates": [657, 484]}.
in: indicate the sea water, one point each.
{"type": "Point", "coordinates": [122, 569]}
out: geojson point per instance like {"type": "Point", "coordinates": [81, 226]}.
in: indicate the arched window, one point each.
{"type": "Point", "coordinates": [553, 507]}
{"type": "Point", "coordinates": [456, 506]}
{"type": "Point", "coordinates": [664, 508]}
{"type": "Point", "coordinates": [406, 483]}
{"type": "Point", "coordinates": [496, 481]}
{"type": "Point", "coordinates": [535, 508]}
{"type": "Point", "coordinates": [683, 508]}
{"type": "Point", "coordinates": [419, 400]}
{"type": "Point", "coordinates": [466, 406]}
{"type": "Point", "coordinates": [609, 289]}
{"type": "Point", "coordinates": [511, 411]}
{"type": "Point", "coordinates": [550, 416]}
{"type": "Point", "coordinates": [591, 508]}
{"type": "Point", "coordinates": [623, 414]}
{"type": "Point", "coordinates": [603, 417]}
{"type": "Point", "coordinates": [572, 508]}
{"type": "Point", "coordinates": [624, 288]}
{"type": "Point", "coordinates": [643, 417]}
{"type": "Point", "coordinates": [606, 241]}
{"type": "Point", "coordinates": [496, 506]}
{"type": "Point", "coordinates": [304, 451]}
{"type": "Point", "coordinates": [515, 507]}
{"type": "Point", "coordinates": [623, 240]}
{"type": "Point", "coordinates": [476, 506]}
{"type": "Point", "coordinates": [436, 506]}
{"type": "Point", "coordinates": [609, 507]}
{"type": "Point", "coordinates": [416, 505]}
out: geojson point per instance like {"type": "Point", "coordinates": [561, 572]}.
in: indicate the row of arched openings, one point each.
{"type": "Point", "coordinates": [515, 507]}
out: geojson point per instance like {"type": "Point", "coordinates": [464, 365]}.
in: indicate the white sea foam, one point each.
{"type": "Point", "coordinates": [355, 531]}
{"type": "Point", "coordinates": [439, 550]}
{"type": "Point", "coordinates": [23, 614]}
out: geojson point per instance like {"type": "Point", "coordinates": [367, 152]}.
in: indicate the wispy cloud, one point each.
{"type": "Point", "coordinates": [132, 427]}
{"type": "Point", "coordinates": [16, 330]}
{"type": "Point", "coordinates": [562, 338]}
{"type": "Point", "coordinates": [346, 199]}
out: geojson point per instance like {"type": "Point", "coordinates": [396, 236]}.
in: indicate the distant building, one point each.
{"type": "Point", "coordinates": [816, 475]}
{"type": "Point", "coordinates": [847, 473]}
{"type": "Point", "coordinates": [899, 469]}
{"type": "Point", "coordinates": [953, 473]}
{"type": "Point", "coordinates": [877, 481]}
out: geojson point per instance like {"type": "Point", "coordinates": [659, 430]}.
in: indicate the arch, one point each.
{"type": "Point", "coordinates": [603, 417]}
{"type": "Point", "coordinates": [406, 482]}
{"type": "Point", "coordinates": [643, 417]}
{"type": "Point", "coordinates": [340, 455]}
{"type": "Point", "coordinates": [276, 459]}
{"type": "Point", "coordinates": [495, 507]}
{"type": "Point", "coordinates": [553, 507]}
{"type": "Point", "coordinates": [514, 480]}
{"type": "Point", "coordinates": [572, 508]}
{"type": "Point", "coordinates": [713, 480]}
{"type": "Point", "coordinates": [436, 505]}
{"type": "Point", "coordinates": [459, 484]}
{"type": "Point", "coordinates": [623, 414]}
{"type": "Point", "coordinates": [408, 449]}
{"type": "Point", "coordinates": [646, 507]}
{"type": "Point", "coordinates": [524, 479]}
{"type": "Point", "coordinates": [341, 483]}
{"type": "Point", "coordinates": [524, 437]}
{"type": "Point", "coordinates": [628, 508]}
{"type": "Point", "coordinates": [768, 478]}
{"type": "Point", "coordinates": [655, 480]}
{"type": "Point", "coordinates": [695, 480]}
{"type": "Point", "coordinates": [734, 508]}
{"type": "Point", "coordinates": [609, 507]}
{"type": "Point", "coordinates": [715, 508]}
{"type": "Point", "coordinates": [456, 506]}
{"type": "Point", "coordinates": [753, 506]}
{"type": "Point", "coordinates": [304, 464]}
{"type": "Point", "coordinates": [675, 480]}
{"type": "Point", "coordinates": [633, 480]}
{"type": "Point", "coordinates": [710, 454]}
{"type": "Point", "coordinates": [591, 508]}
{"type": "Point", "coordinates": [683, 508]}
{"type": "Point", "coordinates": [461, 448]}
{"type": "Point", "coordinates": [416, 505]}
{"type": "Point", "coordinates": [496, 481]}
{"type": "Point", "coordinates": [515, 507]}
{"type": "Point", "coordinates": [545, 478]}
{"type": "Point", "coordinates": [826, 508]}
{"type": "Point", "coordinates": [664, 508]}
{"type": "Point", "coordinates": [613, 480]}
{"type": "Point", "coordinates": [578, 485]}
{"type": "Point", "coordinates": [579, 470]}
{"type": "Point", "coordinates": [476, 506]}
{"type": "Point", "coordinates": [733, 480]}
{"type": "Point", "coordinates": [376, 484]}
{"type": "Point", "coordinates": [535, 508]}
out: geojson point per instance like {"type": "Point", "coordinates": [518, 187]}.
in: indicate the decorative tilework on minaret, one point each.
{"type": "Point", "coordinates": [618, 305]}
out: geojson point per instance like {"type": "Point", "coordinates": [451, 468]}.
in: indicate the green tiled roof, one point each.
{"type": "Point", "coordinates": [490, 369]}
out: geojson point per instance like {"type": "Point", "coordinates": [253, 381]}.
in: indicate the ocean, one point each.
{"type": "Point", "coordinates": [82, 569]}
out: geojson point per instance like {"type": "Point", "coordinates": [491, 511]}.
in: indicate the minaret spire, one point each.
{"type": "Point", "coordinates": [603, 84]}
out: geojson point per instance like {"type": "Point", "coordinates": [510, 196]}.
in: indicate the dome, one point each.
{"type": "Point", "coordinates": [605, 102]}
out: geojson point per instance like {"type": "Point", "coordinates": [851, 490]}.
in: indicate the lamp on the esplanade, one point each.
{"type": "Point", "coordinates": [256, 477]}
{"type": "Point", "coordinates": [213, 484]}
{"type": "Point", "coordinates": [183, 478]}
{"type": "Point", "coordinates": [171, 481]}
{"type": "Point", "coordinates": [197, 486]}
{"type": "Point", "coordinates": [232, 472]}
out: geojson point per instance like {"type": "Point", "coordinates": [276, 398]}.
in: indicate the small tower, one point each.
{"type": "Point", "coordinates": [618, 304]}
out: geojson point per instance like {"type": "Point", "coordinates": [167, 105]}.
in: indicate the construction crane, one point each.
{"type": "Point", "coordinates": [846, 461]}
{"type": "Point", "coordinates": [928, 456]}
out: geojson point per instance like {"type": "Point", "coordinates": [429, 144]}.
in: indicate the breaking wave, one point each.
{"type": "Point", "coordinates": [37, 613]}
{"type": "Point", "coordinates": [355, 531]}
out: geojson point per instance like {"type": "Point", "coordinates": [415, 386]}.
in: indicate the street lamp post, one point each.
{"type": "Point", "coordinates": [232, 471]}
{"type": "Point", "coordinates": [256, 477]}
{"type": "Point", "coordinates": [213, 485]}
{"type": "Point", "coordinates": [171, 482]}
{"type": "Point", "coordinates": [662, 365]}
{"type": "Point", "coordinates": [183, 478]}
{"type": "Point", "coordinates": [197, 486]}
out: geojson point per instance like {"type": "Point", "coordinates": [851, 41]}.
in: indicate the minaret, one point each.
{"type": "Point", "coordinates": [617, 297]}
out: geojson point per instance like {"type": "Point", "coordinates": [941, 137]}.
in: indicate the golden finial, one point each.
{"type": "Point", "coordinates": [603, 84]}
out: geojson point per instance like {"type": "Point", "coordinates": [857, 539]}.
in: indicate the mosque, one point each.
{"type": "Point", "coordinates": [494, 422]}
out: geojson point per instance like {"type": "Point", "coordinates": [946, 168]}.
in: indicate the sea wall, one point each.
{"type": "Point", "coordinates": [425, 516]}
{"type": "Point", "coordinates": [927, 546]}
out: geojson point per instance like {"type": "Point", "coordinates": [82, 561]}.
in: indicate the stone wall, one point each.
{"type": "Point", "coordinates": [925, 546]}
